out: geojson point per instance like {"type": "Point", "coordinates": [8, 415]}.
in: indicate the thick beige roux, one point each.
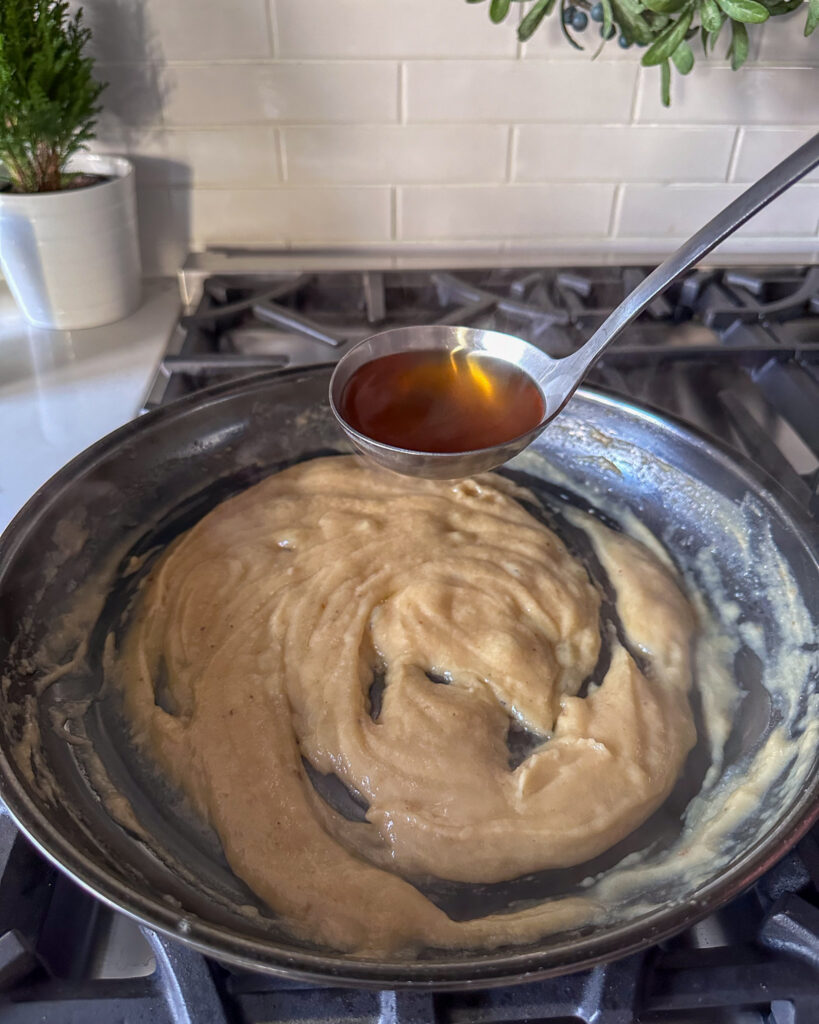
{"type": "Point", "coordinates": [268, 620]}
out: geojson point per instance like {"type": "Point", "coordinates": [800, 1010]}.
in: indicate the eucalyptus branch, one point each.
{"type": "Point", "coordinates": [664, 27]}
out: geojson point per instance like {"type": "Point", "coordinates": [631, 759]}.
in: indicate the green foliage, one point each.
{"type": "Point", "coordinates": [630, 16]}
{"type": "Point", "coordinates": [813, 16]}
{"type": "Point", "coordinates": [665, 6]}
{"type": "Point", "coordinates": [711, 16]}
{"type": "Point", "coordinates": [663, 26]}
{"type": "Point", "coordinates": [745, 11]}
{"type": "Point", "coordinates": [738, 50]}
{"type": "Point", "coordinates": [665, 83]}
{"type": "Point", "coordinates": [48, 95]}
{"type": "Point", "coordinates": [530, 23]}
{"type": "Point", "coordinates": [683, 58]}
{"type": "Point", "coordinates": [667, 41]}
{"type": "Point", "coordinates": [608, 18]}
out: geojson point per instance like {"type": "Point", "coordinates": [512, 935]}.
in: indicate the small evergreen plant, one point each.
{"type": "Point", "coordinates": [48, 94]}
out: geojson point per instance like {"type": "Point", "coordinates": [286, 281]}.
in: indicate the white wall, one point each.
{"type": "Point", "coordinates": [310, 122]}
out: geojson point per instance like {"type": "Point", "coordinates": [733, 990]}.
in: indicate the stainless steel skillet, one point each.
{"type": "Point", "coordinates": [71, 560]}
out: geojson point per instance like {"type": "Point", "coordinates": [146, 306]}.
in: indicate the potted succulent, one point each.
{"type": "Point", "coordinates": [68, 236]}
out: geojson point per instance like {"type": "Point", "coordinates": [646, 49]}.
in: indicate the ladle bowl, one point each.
{"type": "Point", "coordinates": [556, 379]}
{"type": "Point", "coordinates": [440, 338]}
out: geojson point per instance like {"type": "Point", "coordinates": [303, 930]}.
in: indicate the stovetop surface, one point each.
{"type": "Point", "coordinates": [733, 352]}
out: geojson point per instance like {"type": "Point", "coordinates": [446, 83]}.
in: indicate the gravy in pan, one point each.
{"type": "Point", "coordinates": [389, 631]}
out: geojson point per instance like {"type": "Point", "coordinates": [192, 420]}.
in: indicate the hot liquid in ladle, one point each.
{"type": "Point", "coordinates": [448, 402]}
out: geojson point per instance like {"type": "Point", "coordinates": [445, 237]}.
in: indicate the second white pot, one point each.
{"type": "Point", "coordinates": [71, 258]}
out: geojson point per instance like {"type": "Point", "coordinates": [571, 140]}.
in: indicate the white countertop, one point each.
{"type": "Point", "coordinates": [62, 390]}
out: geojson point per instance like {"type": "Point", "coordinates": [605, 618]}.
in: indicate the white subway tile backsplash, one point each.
{"type": "Point", "coordinates": [345, 121]}
{"type": "Point", "coordinates": [164, 230]}
{"type": "Point", "coordinates": [784, 39]}
{"type": "Point", "coordinates": [227, 156]}
{"type": "Point", "coordinates": [245, 93]}
{"type": "Point", "coordinates": [209, 29]}
{"type": "Point", "coordinates": [120, 30]}
{"type": "Point", "coordinates": [290, 215]}
{"type": "Point", "coordinates": [389, 28]}
{"type": "Point", "coordinates": [559, 91]}
{"type": "Point", "coordinates": [395, 153]}
{"type": "Point", "coordinates": [678, 210]}
{"type": "Point", "coordinates": [717, 95]}
{"type": "Point", "coordinates": [622, 153]}
{"type": "Point", "coordinates": [440, 213]}
{"type": "Point", "coordinates": [162, 30]}
{"type": "Point", "coordinates": [761, 148]}
{"type": "Point", "coordinates": [208, 157]}
{"type": "Point", "coordinates": [132, 98]}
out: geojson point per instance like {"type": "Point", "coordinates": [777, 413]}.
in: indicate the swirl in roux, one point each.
{"type": "Point", "coordinates": [265, 625]}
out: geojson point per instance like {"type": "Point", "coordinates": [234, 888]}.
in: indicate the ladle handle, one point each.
{"type": "Point", "coordinates": [794, 167]}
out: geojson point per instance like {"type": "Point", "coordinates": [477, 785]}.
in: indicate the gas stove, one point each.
{"type": "Point", "coordinates": [734, 352]}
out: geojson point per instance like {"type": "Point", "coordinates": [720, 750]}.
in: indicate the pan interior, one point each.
{"type": "Point", "coordinates": [71, 565]}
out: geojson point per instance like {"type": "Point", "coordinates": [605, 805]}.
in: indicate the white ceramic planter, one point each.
{"type": "Point", "coordinates": [71, 258]}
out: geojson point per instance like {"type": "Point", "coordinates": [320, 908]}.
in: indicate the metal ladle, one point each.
{"type": "Point", "coordinates": [557, 379]}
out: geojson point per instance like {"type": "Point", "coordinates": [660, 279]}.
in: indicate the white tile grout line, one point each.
{"type": "Point", "coordinates": [755, 47]}
{"type": "Point", "coordinates": [395, 194]}
{"type": "Point", "coordinates": [636, 99]}
{"type": "Point", "coordinates": [528, 186]}
{"type": "Point", "coordinates": [616, 210]}
{"type": "Point", "coordinates": [511, 153]}
{"type": "Point", "coordinates": [181, 129]}
{"type": "Point", "coordinates": [402, 92]}
{"type": "Point", "coordinates": [306, 122]}
{"type": "Point", "coordinates": [281, 153]}
{"type": "Point", "coordinates": [157, 86]}
{"type": "Point", "coordinates": [733, 160]}
{"type": "Point", "coordinates": [799, 244]}
{"type": "Point", "coordinates": [272, 27]}
{"type": "Point", "coordinates": [771, 65]}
